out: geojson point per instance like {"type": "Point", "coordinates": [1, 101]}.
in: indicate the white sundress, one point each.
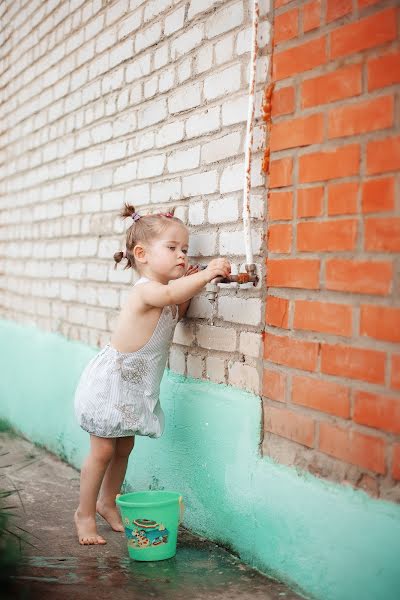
{"type": "Point", "coordinates": [118, 392]}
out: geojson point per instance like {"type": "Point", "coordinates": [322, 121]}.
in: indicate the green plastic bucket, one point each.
{"type": "Point", "coordinates": [151, 522]}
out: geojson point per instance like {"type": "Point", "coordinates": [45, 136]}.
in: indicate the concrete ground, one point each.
{"type": "Point", "coordinates": [58, 567]}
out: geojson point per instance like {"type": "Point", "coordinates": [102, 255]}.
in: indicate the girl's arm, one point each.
{"type": "Point", "coordinates": [182, 308]}
{"type": "Point", "coordinates": [181, 290]}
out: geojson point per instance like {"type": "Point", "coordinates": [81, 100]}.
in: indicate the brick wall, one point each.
{"type": "Point", "coordinates": [142, 101]}
{"type": "Point", "coordinates": [331, 350]}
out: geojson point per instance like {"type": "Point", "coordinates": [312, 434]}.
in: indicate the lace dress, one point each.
{"type": "Point", "coordinates": [118, 392]}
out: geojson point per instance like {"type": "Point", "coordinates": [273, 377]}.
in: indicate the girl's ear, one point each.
{"type": "Point", "coordinates": [139, 253]}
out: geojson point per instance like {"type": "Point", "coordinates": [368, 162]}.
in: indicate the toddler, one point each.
{"type": "Point", "coordinates": [118, 393]}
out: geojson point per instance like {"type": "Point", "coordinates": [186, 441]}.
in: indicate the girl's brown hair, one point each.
{"type": "Point", "coordinates": [143, 229]}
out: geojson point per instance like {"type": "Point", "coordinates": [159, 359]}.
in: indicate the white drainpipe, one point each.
{"type": "Point", "coordinates": [249, 137]}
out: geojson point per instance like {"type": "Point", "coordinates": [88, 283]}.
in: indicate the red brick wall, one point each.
{"type": "Point", "coordinates": [331, 354]}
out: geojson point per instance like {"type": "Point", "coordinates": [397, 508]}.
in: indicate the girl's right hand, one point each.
{"type": "Point", "coordinates": [216, 268]}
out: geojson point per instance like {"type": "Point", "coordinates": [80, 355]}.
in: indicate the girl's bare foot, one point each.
{"type": "Point", "coordinates": [87, 532]}
{"type": "Point", "coordinates": [111, 514]}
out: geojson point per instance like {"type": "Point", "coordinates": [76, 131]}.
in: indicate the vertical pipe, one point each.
{"type": "Point", "coordinates": [249, 137]}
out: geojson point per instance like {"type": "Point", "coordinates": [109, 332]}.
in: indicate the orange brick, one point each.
{"type": "Point", "coordinates": [293, 273]}
{"type": "Point", "coordinates": [297, 428]}
{"type": "Point", "coordinates": [362, 117]}
{"type": "Point", "coordinates": [280, 173]}
{"type": "Point", "coordinates": [380, 322]}
{"type": "Point", "coordinates": [395, 371]}
{"type": "Point", "coordinates": [296, 132]}
{"type": "Point", "coordinates": [274, 384]}
{"type": "Point", "coordinates": [280, 206]}
{"type": "Point", "coordinates": [383, 155]}
{"type": "Point", "coordinates": [382, 234]}
{"type": "Point", "coordinates": [280, 238]}
{"type": "Point", "coordinates": [286, 26]}
{"type": "Point", "coordinates": [396, 462]}
{"type": "Point", "coordinates": [279, 3]}
{"type": "Point", "coordinates": [371, 31]}
{"type": "Point", "coordinates": [353, 447]}
{"type": "Point", "coordinates": [342, 198]}
{"type": "Point", "coordinates": [336, 85]}
{"type": "Point", "coordinates": [311, 15]}
{"type": "Point", "coordinates": [337, 8]}
{"type": "Point", "coordinates": [377, 410]}
{"type": "Point", "coordinates": [343, 161]}
{"type": "Point", "coordinates": [378, 195]}
{"type": "Point", "coordinates": [364, 3]}
{"type": "Point", "coordinates": [356, 363]}
{"type": "Point", "coordinates": [282, 102]}
{"type": "Point", "coordinates": [291, 352]}
{"type": "Point", "coordinates": [360, 277]}
{"type": "Point", "coordinates": [383, 71]}
{"type": "Point", "coordinates": [310, 201]}
{"type": "Point", "coordinates": [321, 395]}
{"type": "Point", "coordinates": [277, 311]}
{"type": "Point", "coordinates": [326, 236]}
{"type": "Point", "coordinates": [299, 59]}
{"type": "Point", "coordinates": [323, 316]}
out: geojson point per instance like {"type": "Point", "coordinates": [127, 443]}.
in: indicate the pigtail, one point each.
{"type": "Point", "coordinates": [118, 256]}
{"type": "Point", "coordinates": [127, 211]}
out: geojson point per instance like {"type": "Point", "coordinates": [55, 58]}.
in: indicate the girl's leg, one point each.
{"type": "Point", "coordinates": [112, 482]}
{"type": "Point", "coordinates": [92, 473]}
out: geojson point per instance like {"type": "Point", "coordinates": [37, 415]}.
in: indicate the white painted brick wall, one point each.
{"type": "Point", "coordinates": [144, 102]}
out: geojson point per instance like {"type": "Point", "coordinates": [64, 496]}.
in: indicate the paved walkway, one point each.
{"type": "Point", "coordinates": [58, 567]}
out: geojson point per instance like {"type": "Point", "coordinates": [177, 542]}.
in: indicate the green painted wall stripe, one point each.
{"type": "Point", "coordinates": [331, 541]}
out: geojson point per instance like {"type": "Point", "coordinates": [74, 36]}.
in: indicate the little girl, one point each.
{"type": "Point", "coordinates": [117, 395]}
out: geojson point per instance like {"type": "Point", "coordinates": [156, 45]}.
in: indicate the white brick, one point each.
{"type": "Point", "coordinates": [96, 319]}
{"type": "Point", "coordinates": [225, 19]}
{"type": "Point", "coordinates": [150, 87]}
{"type": "Point", "coordinates": [232, 242]}
{"type": "Point", "coordinates": [151, 166]}
{"type": "Point", "coordinates": [108, 297]}
{"type": "Point", "coordinates": [77, 314]}
{"type": "Point", "coordinates": [199, 6]}
{"type": "Point", "coordinates": [185, 70]}
{"type": "Point", "coordinates": [222, 83]}
{"type": "Point", "coordinates": [243, 42]}
{"type": "Point", "coordinates": [250, 343]}
{"type": "Point", "coordinates": [144, 141]}
{"type": "Point", "coordinates": [105, 40]}
{"type": "Point", "coordinates": [115, 11]}
{"type": "Point", "coordinates": [138, 195]}
{"type": "Point", "coordinates": [174, 21]}
{"type": "Point", "coordinates": [182, 160]}
{"type": "Point", "coordinates": [155, 7]}
{"type": "Point", "coordinates": [153, 113]}
{"type": "Point", "coordinates": [203, 122]}
{"type": "Point", "coordinates": [199, 307]}
{"type": "Point", "coordinates": [215, 369]}
{"type": "Point", "coordinates": [170, 134]}
{"type": "Point", "coordinates": [196, 213]}
{"type": "Point", "coordinates": [187, 41]}
{"type": "Point", "coordinates": [201, 183]}
{"type": "Point", "coordinates": [177, 361]}
{"type": "Point", "coordinates": [184, 334]}
{"type": "Point", "coordinates": [115, 151]}
{"type": "Point", "coordinates": [148, 37]}
{"type": "Point", "coordinates": [216, 338]}
{"type": "Point", "coordinates": [223, 210]}
{"type": "Point", "coordinates": [221, 148]}
{"type": "Point", "coordinates": [166, 80]}
{"type": "Point", "coordinates": [240, 310]}
{"type": "Point", "coordinates": [161, 56]}
{"type": "Point", "coordinates": [112, 201]}
{"type": "Point", "coordinates": [121, 53]}
{"type": "Point", "coordinates": [232, 178]}
{"type": "Point", "coordinates": [127, 172]}
{"type": "Point", "coordinates": [195, 366]}
{"type": "Point", "coordinates": [204, 59]}
{"type": "Point", "coordinates": [235, 111]}
{"type": "Point", "coordinates": [97, 271]}
{"type": "Point", "coordinates": [185, 98]}
{"type": "Point", "coordinates": [166, 190]}
{"type": "Point", "coordinates": [88, 247]}
{"type": "Point", "coordinates": [224, 50]}
{"type": "Point", "coordinates": [244, 376]}
{"type": "Point", "coordinates": [139, 68]}
{"type": "Point", "coordinates": [202, 244]}
{"type": "Point", "coordinates": [129, 25]}
{"type": "Point", "coordinates": [108, 247]}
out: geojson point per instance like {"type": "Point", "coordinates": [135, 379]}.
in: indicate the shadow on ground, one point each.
{"type": "Point", "coordinates": [58, 567]}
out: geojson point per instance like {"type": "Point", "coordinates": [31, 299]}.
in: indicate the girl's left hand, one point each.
{"type": "Point", "coordinates": [192, 269]}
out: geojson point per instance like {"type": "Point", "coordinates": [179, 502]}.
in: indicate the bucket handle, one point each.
{"type": "Point", "coordinates": [181, 509]}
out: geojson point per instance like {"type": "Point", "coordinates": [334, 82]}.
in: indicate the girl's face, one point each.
{"type": "Point", "coordinates": [165, 258]}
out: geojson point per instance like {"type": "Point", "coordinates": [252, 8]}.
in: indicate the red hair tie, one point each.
{"type": "Point", "coordinates": [168, 214]}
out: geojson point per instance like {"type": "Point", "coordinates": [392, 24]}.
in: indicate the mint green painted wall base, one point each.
{"type": "Point", "coordinates": [333, 542]}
